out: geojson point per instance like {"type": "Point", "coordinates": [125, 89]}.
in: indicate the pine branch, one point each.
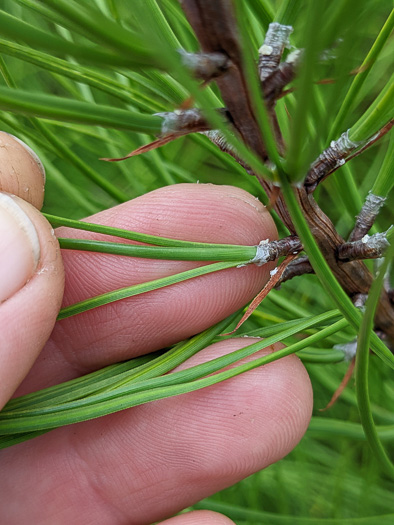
{"type": "Point", "coordinates": [329, 161]}
{"type": "Point", "coordinates": [337, 154]}
{"type": "Point", "coordinates": [369, 247]}
{"type": "Point", "coordinates": [217, 138]}
{"type": "Point", "coordinates": [216, 30]}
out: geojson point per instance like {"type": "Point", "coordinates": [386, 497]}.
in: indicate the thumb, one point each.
{"type": "Point", "coordinates": [31, 287]}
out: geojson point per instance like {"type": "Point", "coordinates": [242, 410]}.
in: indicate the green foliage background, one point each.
{"type": "Point", "coordinates": [332, 474]}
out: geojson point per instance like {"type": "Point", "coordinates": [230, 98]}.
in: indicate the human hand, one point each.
{"type": "Point", "coordinates": [146, 463]}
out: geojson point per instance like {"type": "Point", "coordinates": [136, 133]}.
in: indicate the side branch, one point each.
{"type": "Point", "coordinates": [205, 66]}
{"type": "Point", "coordinates": [217, 138]}
{"type": "Point", "coordinates": [367, 216]}
{"type": "Point", "coordinates": [329, 161]}
{"type": "Point", "coordinates": [270, 53]}
{"type": "Point", "coordinates": [174, 125]}
{"type": "Point", "coordinates": [369, 247]}
{"type": "Point", "coordinates": [339, 152]}
{"type": "Point", "coordinates": [270, 251]}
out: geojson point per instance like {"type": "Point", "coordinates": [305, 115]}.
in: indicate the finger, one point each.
{"type": "Point", "coordinates": [31, 273]}
{"type": "Point", "coordinates": [22, 172]}
{"type": "Point", "coordinates": [31, 287]}
{"type": "Point", "coordinates": [153, 320]}
{"type": "Point", "coordinates": [199, 517]}
{"type": "Point", "coordinates": [149, 462]}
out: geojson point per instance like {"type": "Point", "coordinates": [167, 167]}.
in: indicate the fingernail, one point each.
{"type": "Point", "coordinates": [32, 153]}
{"type": "Point", "coordinates": [19, 247]}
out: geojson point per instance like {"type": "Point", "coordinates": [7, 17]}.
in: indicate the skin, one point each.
{"type": "Point", "coordinates": [144, 464]}
{"type": "Point", "coordinates": [21, 171]}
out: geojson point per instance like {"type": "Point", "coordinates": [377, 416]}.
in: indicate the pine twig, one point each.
{"type": "Point", "coordinates": [175, 124]}
{"type": "Point", "coordinates": [329, 161]}
{"type": "Point", "coordinates": [367, 216]}
{"type": "Point", "coordinates": [183, 122]}
{"type": "Point", "coordinates": [369, 247]}
{"type": "Point", "coordinates": [217, 138]}
{"type": "Point", "coordinates": [337, 154]}
{"type": "Point", "coordinates": [270, 53]}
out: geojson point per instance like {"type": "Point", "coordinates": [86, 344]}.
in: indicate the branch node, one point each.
{"type": "Point", "coordinates": [184, 121]}
{"type": "Point", "coordinates": [176, 121]}
{"type": "Point", "coordinates": [349, 349]}
{"type": "Point", "coordinates": [205, 66]}
{"type": "Point", "coordinates": [344, 145]}
{"type": "Point", "coordinates": [270, 251]}
{"type": "Point", "coordinates": [263, 253]}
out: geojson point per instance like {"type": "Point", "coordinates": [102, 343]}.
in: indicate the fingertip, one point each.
{"type": "Point", "coordinates": [255, 418]}
{"type": "Point", "coordinates": [199, 517]}
{"type": "Point", "coordinates": [22, 172]}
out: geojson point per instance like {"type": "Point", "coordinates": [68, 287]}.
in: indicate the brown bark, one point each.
{"type": "Point", "coordinates": [216, 30]}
